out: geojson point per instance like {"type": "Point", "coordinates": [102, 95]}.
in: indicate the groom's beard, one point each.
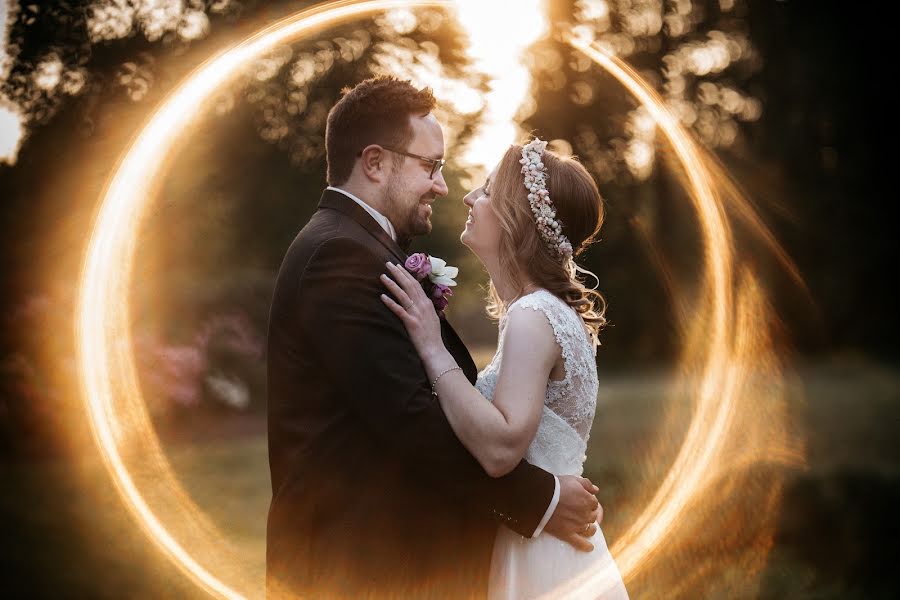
{"type": "Point", "coordinates": [406, 211]}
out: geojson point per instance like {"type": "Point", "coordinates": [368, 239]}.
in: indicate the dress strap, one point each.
{"type": "Point", "coordinates": [561, 318]}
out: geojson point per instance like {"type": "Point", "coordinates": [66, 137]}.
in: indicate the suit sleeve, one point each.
{"type": "Point", "coordinates": [367, 354]}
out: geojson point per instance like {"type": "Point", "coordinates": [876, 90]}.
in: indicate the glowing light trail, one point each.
{"type": "Point", "coordinates": [723, 364]}
{"type": "Point", "coordinates": [106, 364]}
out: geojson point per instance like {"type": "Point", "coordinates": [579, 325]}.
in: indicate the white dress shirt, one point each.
{"type": "Point", "coordinates": [550, 509]}
{"type": "Point", "coordinates": [389, 228]}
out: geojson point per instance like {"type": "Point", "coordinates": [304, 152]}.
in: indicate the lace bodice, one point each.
{"type": "Point", "coordinates": [570, 403]}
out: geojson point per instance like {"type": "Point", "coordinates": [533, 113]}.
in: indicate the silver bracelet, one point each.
{"type": "Point", "coordinates": [434, 393]}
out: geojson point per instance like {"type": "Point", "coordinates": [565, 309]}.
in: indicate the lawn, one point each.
{"type": "Point", "coordinates": [67, 535]}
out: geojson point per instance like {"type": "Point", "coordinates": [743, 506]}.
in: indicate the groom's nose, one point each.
{"type": "Point", "coordinates": [440, 185]}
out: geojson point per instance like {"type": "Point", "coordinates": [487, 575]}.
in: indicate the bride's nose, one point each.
{"type": "Point", "coordinates": [469, 199]}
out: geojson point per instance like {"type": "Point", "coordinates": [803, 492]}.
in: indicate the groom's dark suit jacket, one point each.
{"type": "Point", "coordinates": [373, 496]}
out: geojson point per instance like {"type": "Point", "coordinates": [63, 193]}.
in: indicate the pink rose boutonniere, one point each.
{"type": "Point", "coordinates": [436, 277]}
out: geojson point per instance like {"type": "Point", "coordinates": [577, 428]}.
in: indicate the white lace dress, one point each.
{"type": "Point", "coordinates": [546, 566]}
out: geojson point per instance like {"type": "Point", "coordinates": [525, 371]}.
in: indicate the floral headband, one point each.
{"type": "Point", "coordinates": [539, 198]}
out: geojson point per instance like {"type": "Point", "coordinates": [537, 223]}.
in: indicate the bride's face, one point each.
{"type": "Point", "coordinates": [482, 232]}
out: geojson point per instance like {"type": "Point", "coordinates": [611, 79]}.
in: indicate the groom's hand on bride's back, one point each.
{"type": "Point", "coordinates": [577, 514]}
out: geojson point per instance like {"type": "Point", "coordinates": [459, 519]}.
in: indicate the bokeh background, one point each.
{"type": "Point", "coordinates": [792, 97]}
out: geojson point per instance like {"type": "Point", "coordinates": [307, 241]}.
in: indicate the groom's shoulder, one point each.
{"type": "Point", "coordinates": [335, 236]}
{"type": "Point", "coordinates": [324, 226]}
{"type": "Point", "coordinates": [333, 240]}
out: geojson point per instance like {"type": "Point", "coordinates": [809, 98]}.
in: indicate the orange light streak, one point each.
{"type": "Point", "coordinates": [722, 366]}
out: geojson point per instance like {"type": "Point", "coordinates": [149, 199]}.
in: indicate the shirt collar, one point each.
{"type": "Point", "coordinates": [379, 218]}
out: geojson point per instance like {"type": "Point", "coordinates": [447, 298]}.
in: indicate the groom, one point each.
{"type": "Point", "coordinates": [373, 496]}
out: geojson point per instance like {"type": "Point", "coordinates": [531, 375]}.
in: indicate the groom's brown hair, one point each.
{"type": "Point", "coordinates": [375, 111]}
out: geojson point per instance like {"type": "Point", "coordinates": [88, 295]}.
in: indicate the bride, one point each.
{"type": "Point", "coordinates": [537, 397]}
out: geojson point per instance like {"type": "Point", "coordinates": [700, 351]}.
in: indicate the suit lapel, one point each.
{"type": "Point", "coordinates": [458, 350]}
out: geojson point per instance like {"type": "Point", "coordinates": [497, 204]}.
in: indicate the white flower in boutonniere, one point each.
{"type": "Point", "coordinates": [441, 273]}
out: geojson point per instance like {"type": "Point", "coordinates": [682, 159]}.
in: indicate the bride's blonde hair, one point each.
{"type": "Point", "coordinates": [579, 208]}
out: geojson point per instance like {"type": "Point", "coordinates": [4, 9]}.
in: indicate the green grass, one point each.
{"type": "Point", "coordinates": [68, 535]}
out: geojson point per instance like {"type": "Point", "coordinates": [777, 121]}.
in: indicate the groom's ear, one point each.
{"type": "Point", "coordinates": [372, 160]}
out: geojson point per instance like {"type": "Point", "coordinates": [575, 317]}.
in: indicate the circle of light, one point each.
{"type": "Point", "coordinates": [104, 350]}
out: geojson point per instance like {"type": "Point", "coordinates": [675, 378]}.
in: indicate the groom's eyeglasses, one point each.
{"type": "Point", "coordinates": [437, 164]}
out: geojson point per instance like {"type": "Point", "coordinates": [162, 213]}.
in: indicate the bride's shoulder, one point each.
{"type": "Point", "coordinates": [545, 305]}
{"type": "Point", "coordinates": [531, 315]}
{"type": "Point", "coordinates": [529, 331]}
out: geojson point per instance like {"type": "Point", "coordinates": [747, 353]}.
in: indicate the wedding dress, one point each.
{"type": "Point", "coordinates": [546, 566]}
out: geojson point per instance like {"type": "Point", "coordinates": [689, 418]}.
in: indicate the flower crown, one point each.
{"type": "Point", "coordinates": [539, 198]}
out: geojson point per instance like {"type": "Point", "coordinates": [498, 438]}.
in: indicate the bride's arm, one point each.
{"type": "Point", "coordinates": [497, 434]}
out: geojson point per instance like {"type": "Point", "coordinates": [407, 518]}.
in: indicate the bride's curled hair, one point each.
{"type": "Point", "coordinates": [578, 207]}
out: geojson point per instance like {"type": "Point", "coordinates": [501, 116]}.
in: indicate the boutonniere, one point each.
{"type": "Point", "coordinates": [436, 277]}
